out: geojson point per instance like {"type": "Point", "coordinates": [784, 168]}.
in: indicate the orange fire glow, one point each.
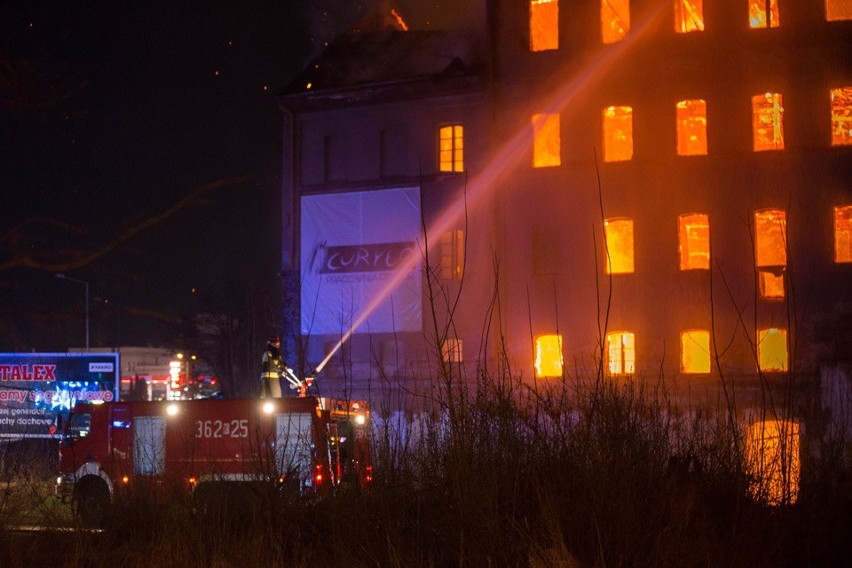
{"type": "Point", "coordinates": [692, 127]}
{"type": "Point", "coordinates": [688, 16]}
{"type": "Point", "coordinates": [546, 141]}
{"type": "Point", "coordinates": [772, 452]}
{"type": "Point", "coordinates": [451, 148]}
{"type": "Point", "coordinates": [841, 115]}
{"type": "Point", "coordinates": [772, 349]}
{"type": "Point", "coordinates": [618, 134]}
{"type": "Point", "coordinates": [621, 353]}
{"type": "Point", "coordinates": [544, 25]}
{"type": "Point", "coordinates": [768, 121]}
{"type": "Point", "coordinates": [615, 20]}
{"type": "Point", "coordinates": [760, 17]}
{"type": "Point", "coordinates": [770, 228]}
{"type": "Point", "coordinates": [619, 246]}
{"type": "Point", "coordinates": [843, 234]}
{"type": "Point", "coordinates": [694, 241]}
{"type": "Point", "coordinates": [548, 356]}
{"type": "Point", "coordinates": [836, 10]}
{"type": "Point", "coordinates": [695, 351]}
{"type": "Point", "coordinates": [400, 22]}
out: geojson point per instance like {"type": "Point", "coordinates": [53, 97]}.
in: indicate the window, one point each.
{"type": "Point", "coordinates": [451, 148]}
{"type": "Point", "coordinates": [688, 16]}
{"type": "Point", "coordinates": [451, 350]}
{"type": "Point", "coordinates": [621, 353]}
{"type": "Point", "coordinates": [763, 14]}
{"type": "Point", "coordinates": [694, 241]}
{"type": "Point", "coordinates": [838, 10]}
{"type": "Point", "coordinates": [770, 239]}
{"type": "Point", "coordinates": [841, 115]}
{"type": "Point", "coordinates": [619, 246]}
{"type": "Point", "coordinates": [692, 128]}
{"type": "Point", "coordinates": [546, 142]}
{"type": "Point", "coordinates": [615, 20]}
{"type": "Point", "coordinates": [452, 255]}
{"type": "Point", "coordinates": [548, 355]}
{"type": "Point", "coordinates": [767, 122]}
{"type": "Point", "coordinates": [773, 461]}
{"type": "Point", "coordinates": [843, 234]}
{"type": "Point", "coordinates": [544, 25]}
{"type": "Point", "coordinates": [618, 133]}
{"type": "Point", "coordinates": [771, 283]}
{"type": "Point", "coordinates": [770, 229]}
{"type": "Point", "coordinates": [695, 351]}
{"type": "Point", "coordinates": [772, 349]}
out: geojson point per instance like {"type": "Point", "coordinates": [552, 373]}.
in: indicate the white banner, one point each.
{"type": "Point", "coordinates": [353, 245]}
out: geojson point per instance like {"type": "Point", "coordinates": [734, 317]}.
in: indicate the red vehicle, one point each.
{"type": "Point", "coordinates": [208, 447]}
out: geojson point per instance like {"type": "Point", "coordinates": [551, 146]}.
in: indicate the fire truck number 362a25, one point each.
{"type": "Point", "coordinates": [221, 429]}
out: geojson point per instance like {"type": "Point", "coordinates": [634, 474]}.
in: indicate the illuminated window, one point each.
{"type": "Point", "coordinates": [544, 25]}
{"type": "Point", "coordinates": [770, 229]}
{"type": "Point", "coordinates": [688, 16]}
{"type": "Point", "coordinates": [451, 148]}
{"type": "Point", "coordinates": [451, 350]}
{"type": "Point", "coordinates": [546, 142]}
{"type": "Point", "coordinates": [548, 355]}
{"type": "Point", "coordinates": [621, 353]}
{"type": "Point", "coordinates": [772, 349]}
{"type": "Point", "coordinates": [843, 234]}
{"type": "Point", "coordinates": [615, 20]}
{"type": "Point", "coordinates": [618, 133]}
{"type": "Point", "coordinates": [695, 351]}
{"type": "Point", "coordinates": [841, 115]}
{"type": "Point", "coordinates": [771, 283]}
{"type": "Point", "coordinates": [838, 10]}
{"type": "Point", "coordinates": [452, 255]}
{"type": "Point", "coordinates": [763, 14]}
{"type": "Point", "coordinates": [767, 122]}
{"type": "Point", "coordinates": [692, 128]}
{"type": "Point", "coordinates": [619, 246]}
{"type": "Point", "coordinates": [773, 461]}
{"type": "Point", "coordinates": [694, 241]}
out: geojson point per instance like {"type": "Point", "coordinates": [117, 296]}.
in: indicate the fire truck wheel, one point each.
{"type": "Point", "coordinates": [92, 498]}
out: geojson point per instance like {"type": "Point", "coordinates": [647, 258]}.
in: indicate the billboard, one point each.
{"type": "Point", "coordinates": [35, 388]}
{"type": "Point", "coordinates": [354, 246]}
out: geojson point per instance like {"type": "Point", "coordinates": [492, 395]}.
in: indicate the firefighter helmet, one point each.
{"type": "Point", "coordinates": [274, 340]}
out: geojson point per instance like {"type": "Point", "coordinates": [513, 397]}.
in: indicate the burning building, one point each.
{"type": "Point", "coordinates": [648, 189]}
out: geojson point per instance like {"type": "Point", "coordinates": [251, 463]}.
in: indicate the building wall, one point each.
{"type": "Point", "coordinates": [536, 234]}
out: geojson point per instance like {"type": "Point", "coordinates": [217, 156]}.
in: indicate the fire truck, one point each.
{"type": "Point", "coordinates": [208, 448]}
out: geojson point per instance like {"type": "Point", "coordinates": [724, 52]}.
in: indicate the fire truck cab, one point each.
{"type": "Point", "coordinates": [200, 447]}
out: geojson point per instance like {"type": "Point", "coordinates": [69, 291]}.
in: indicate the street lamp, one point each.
{"type": "Point", "coordinates": [86, 284]}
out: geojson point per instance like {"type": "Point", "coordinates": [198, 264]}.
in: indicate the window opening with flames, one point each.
{"type": "Point", "coordinates": [770, 232]}
{"type": "Point", "coordinates": [773, 461]}
{"type": "Point", "coordinates": [843, 234]}
{"type": "Point", "coordinates": [546, 140]}
{"type": "Point", "coordinates": [615, 20]}
{"type": "Point", "coordinates": [548, 355]}
{"type": "Point", "coordinates": [692, 127]}
{"type": "Point", "coordinates": [841, 115]}
{"type": "Point", "coordinates": [621, 353]}
{"type": "Point", "coordinates": [768, 122]}
{"type": "Point", "coordinates": [544, 25]}
{"type": "Point", "coordinates": [688, 16]}
{"type": "Point", "coordinates": [618, 133]}
{"type": "Point", "coordinates": [619, 246]}
{"type": "Point", "coordinates": [763, 14]}
{"type": "Point", "coordinates": [695, 351]}
{"type": "Point", "coordinates": [772, 349]}
{"type": "Point", "coordinates": [694, 241]}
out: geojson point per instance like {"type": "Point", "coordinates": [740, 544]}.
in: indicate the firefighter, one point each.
{"type": "Point", "coordinates": [272, 365]}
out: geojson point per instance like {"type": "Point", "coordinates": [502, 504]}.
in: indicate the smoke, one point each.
{"type": "Point", "coordinates": [330, 18]}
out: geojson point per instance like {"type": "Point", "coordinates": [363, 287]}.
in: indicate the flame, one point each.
{"type": "Point", "coordinates": [399, 20]}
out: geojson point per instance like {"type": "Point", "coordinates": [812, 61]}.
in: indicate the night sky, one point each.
{"type": "Point", "coordinates": [141, 154]}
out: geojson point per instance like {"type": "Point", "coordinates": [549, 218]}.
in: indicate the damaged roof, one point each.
{"type": "Point", "coordinates": [388, 56]}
